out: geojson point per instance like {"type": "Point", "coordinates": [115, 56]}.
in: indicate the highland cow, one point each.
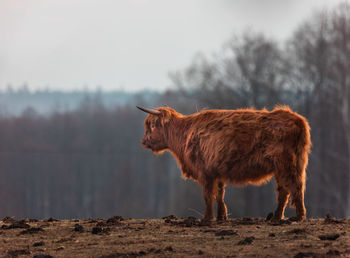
{"type": "Point", "coordinates": [241, 147]}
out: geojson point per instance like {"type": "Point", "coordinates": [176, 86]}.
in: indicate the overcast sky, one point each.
{"type": "Point", "coordinates": [129, 44]}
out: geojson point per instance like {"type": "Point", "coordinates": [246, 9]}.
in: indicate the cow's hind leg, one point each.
{"type": "Point", "coordinates": [221, 208]}
{"type": "Point", "coordinates": [291, 175]}
{"type": "Point", "coordinates": [282, 200]}
{"type": "Point", "coordinates": [208, 193]}
{"type": "Point", "coordinates": [297, 193]}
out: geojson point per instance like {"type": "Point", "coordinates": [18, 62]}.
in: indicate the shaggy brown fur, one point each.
{"type": "Point", "coordinates": [241, 147]}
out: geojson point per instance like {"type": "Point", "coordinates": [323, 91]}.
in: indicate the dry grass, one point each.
{"type": "Point", "coordinates": [173, 237]}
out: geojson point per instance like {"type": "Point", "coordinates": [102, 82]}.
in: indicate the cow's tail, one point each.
{"type": "Point", "coordinates": [303, 147]}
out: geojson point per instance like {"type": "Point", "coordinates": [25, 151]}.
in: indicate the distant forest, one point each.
{"type": "Point", "coordinates": [78, 154]}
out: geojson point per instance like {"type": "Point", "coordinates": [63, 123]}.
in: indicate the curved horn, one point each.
{"type": "Point", "coordinates": [150, 111]}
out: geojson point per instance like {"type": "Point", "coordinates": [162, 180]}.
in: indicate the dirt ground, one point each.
{"type": "Point", "coordinates": [174, 237]}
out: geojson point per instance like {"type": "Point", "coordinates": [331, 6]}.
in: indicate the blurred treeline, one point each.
{"type": "Point", "coordinates": [88, 161]}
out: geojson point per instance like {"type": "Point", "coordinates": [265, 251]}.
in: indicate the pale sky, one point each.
{"type": "Point", "coordinates": [129, 44]}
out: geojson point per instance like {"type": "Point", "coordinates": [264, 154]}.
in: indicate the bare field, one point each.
{"type": "Point", "coordinates": [174, 237]}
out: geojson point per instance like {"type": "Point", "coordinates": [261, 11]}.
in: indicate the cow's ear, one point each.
{"type": "Point", "coordinates": [165, 115]}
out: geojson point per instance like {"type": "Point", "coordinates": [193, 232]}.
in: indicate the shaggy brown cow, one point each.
{"type": "Point", "coordinates": [242, 147]}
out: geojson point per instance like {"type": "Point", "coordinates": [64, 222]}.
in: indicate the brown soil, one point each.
{"type": "Point", "coordinates": [174, 237]}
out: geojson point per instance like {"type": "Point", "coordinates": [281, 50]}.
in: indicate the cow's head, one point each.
{"type": "Point", "coordinates": [156, 125]}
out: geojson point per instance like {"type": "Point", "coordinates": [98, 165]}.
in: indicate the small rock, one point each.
{"type": "Point", "coordinates": [78, 228]}
{"type": "Point", "coordinates": [247, 221]}
{"type": "Point", "coordinates": [329, 237]}
{"type": "Point", "coordinates": [169, 248]}
{"type": "Point", "coordinates": [307, 254]}
{"type": "Point", "coordinates": [190, 221]}
{"type": "Point", "coordinates": [51, 219]}
{"type": "Point", "coordinates": [226, 233]}
{"type": "Point", "coordinates": [101, 224]}
{"type": "Point", "coordinates": [32, 231]}
{"type": "Point", "coordinates": [41, 243]}
{"type": "Point", "coordinates": [8, 219]}
{"type": "Point", "coordinates": [333, 252]}
{"type": "Point", "coordinates": [99, 230]}
{"type": "Point", "coordinates": [246, 241]}
{"type": "Point", "coordinates": [42, 256]}
{"type": "Point", "coordinates": [16, 224]}
{"type": "Point", "coordinates": [14, 253]}
{"type": "Point", "coordinates": [297, 231]}
{"type": "Point", "coordinates": [169, 217]}
{"type": "Point", "coordinates": [115, 219]}
{"type": "Point", "coordinates": [330, 220]}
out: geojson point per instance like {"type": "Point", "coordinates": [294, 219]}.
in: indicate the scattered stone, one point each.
{"type": "Point", "coordinates": [333, 252]}
{"type": "Point", "coordinates": [329, 237]}
{"type": "Point", "coordinates": [190, 221]}
{"type": "Point", "coordinates": [15, 253]}
{"type": "Point", "coordinates": [99, 230]}
{"type": "Point", "coordinates": [307, 254]}
{"type": "Point", "coordinates": [226, 233]}
{"type": "Point", "coordinates": [169, 248]}
{"type": "Point", "coordinates": [208, 230]}
{"type": "Point", "coordinates": [248, 221]}
{"type": "Point", "coordinates": [8, 219]}
{"type": "Point", "coordinates": [51, 219]}
{"type": "Point", "coordinates": [153, 250]}
{"type": "Point", "coordinates": [280, 222]}
{"type": "Point", "coordinates": [78, 228]}
{"type": "Point", "coordinates": [297, 231]}
{"type": "Point", "coordinates": [169, 217]}
{"type": "Point", "coordinates": [115, 220]}
{"type": "Point", "coordinates": [64, 239]}
{"type": "Point", "coordinates": [101, 224]}
{"type": "Point", "coordinates": [60, 248]}
{"type": "Point", "coordinates": [42, 256]}
{"type": "Point", "coordinates": [41, 243]}
{"type": "Point", "coordinates": [330, 220]}
{"type": "Point", "coordinates": [305, 245]}
{"type": "Point", "coordinates": [200, 252]}
{"type": "Point", "coordinates": [32, 231]}
{"type": "Point", "coordinates": [246, 241]}
{"type": "Point", "coordinates": [16, 224]}
{"type": "Point", "coordinates": [272, 235]}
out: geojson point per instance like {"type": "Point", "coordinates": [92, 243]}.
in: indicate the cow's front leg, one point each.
{"type": "Point", "coordinates": [220, 195]}
{"type": "Point", "coordinates": [208, 193]}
